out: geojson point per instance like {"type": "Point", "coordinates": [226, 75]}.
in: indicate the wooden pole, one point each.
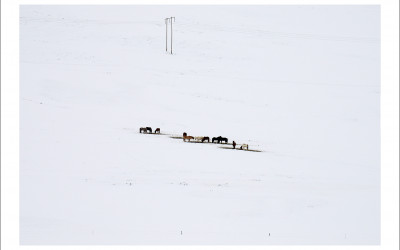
{"type": "Point", "coordinates": [166, 34]}
{"type": "Point", "coordinates": [172, 19]}
{"type": "Point", "coordinates": [171, 35]}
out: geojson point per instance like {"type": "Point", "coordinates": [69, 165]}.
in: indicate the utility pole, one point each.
{"type": "Point", "coordinates": [171, 18]}
{"type": "Point", "coordinates": [166, 34]}
{"type": "Point", "coordinates": [168, 20]}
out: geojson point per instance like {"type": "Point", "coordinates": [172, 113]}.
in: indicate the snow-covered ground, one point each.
{"type": "Point", "coordinates": [300, 83]}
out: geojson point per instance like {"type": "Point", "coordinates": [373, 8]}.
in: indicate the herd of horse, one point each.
{"type": "Point", "coordinates": [185, 137]}
{"type": "Point", "coordinates": [148, 130]}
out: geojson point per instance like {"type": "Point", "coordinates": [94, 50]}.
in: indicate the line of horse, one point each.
{"type": "Point", "coordinates": [218, 139]}
{"type": "Point", "coordinates": [202, 139]}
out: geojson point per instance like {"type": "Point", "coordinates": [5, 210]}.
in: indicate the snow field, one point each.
{"type": "Point", "coordinates": [297, 82]}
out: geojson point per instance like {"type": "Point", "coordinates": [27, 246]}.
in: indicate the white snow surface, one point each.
{"type": "Point", "coordinates": [300, 83]}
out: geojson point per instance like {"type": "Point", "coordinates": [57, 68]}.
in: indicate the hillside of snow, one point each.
{"type": "Point", "coordinates": [299, 83]}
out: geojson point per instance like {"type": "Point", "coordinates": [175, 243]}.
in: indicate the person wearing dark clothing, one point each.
{"type": "Point", "coordinates": [234, 144]}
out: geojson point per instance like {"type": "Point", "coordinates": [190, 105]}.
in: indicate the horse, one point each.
{"type": "Point", "coordinates": [186, 137]}
{"type": "Point", "coordinates": [244, 146]}
{"type": "Point", "coordinates": [157, 131]}
{"type": "Point", "coordinates": [144, 130]}
{"type": "Point", "coordinates": [198, 138]}
{"type": "Point", "coordinates": [223, 139]}
{"type": "Point", "coordinates": [220, 139]}
{"type": "Point", "coordinates": [205, 138]}
{"type": "Point", "coordinates": [149, 129]}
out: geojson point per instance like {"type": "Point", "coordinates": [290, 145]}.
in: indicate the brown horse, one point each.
{"type": "Point", "coordinates": [157, 131]}
{"type": "Point", "coordinates": [186, 137]}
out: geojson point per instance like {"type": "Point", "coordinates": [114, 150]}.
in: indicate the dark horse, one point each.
{"type": "Point", "coordinates": [157, 131]}
{"type": "Point", "coordinates": [149, 130]}
{"type": "Point", "coordinates": [142, 130]}
{"type": "Point", "coordinates": [206, 138]}
{"type": "Point", "coordinates": [223, 139]}
{"type": "Point", "coordinates": [220, 139]}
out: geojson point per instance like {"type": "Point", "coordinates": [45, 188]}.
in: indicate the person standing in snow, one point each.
{"type": "Point", "coordinates": [234, 144]}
